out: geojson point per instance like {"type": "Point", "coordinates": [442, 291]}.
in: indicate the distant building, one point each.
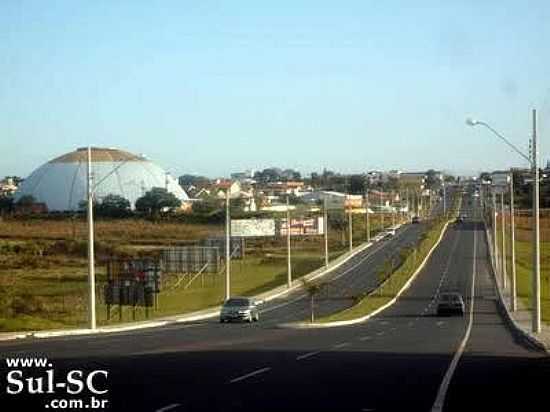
{"type": "Point", "coordinates": [7, 187]}
{"type": "Point", "coordinates": [221, 186]}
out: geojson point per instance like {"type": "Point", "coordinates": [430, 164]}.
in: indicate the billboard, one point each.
{"type": "Point", "coordinates": [500, 179]}
{"type": "Point", "coordinates": [302, 227]}
{"type": "Point", "coordinates": [253, 227]}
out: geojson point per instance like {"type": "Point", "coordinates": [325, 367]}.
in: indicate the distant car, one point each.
{"type": "Point", "coordinates": [378, 238]}
{"type": "Point", "coordinates": [450, 303]}
{"type": "Point", "coordinates": [389, 232]}
{"type": "Point", "coordinates": [240, 309]}
{"type": "Point", "coordinates": [415, 219]}
{"type": "Point", "coordinates": [459, 219]}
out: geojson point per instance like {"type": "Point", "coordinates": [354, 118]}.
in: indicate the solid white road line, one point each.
{"type": "Point", "coordinates": [365, 338]}
{"type": "Point", "coordinates": [307, 355]}
{"type": "Point", "coordinates": [341, 345]}
{"type": "Point", "coordinates": [442, 392]}
{"type": "Point", "coordinates": [249, 375]}
{"type": "Point", "coordinates": [168, 408]}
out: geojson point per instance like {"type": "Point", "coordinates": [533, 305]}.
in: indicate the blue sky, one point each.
{"type": "Point", "coordinates": [212, 87]}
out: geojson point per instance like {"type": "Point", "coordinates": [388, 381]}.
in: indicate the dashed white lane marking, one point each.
{"type": "Point", "coordinates": [365, 338]}
{"type": "Point", "coordinates": [384, 322]}
{"type": "Point", "coordinates": [249, 375]}
{"type": "Point", "coordinates": [440, 323]}
{"type": "Point", "coordinates": [168, 408]}
{"type": "Point", "coordinates": [341, 345]}
{"type": "Point", "coordinates": [307, 355]}
{"type": "Point", "coordinates": [379, 333]}
{"type": "Point", "coordinates": [442, 392]}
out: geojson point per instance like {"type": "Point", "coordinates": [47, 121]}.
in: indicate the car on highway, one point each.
{"type": "Point", "coordinates": [415, 219]}
{"type": "Point", "coordinates": [389, 232]}
{"type": "Point", "coordinates": [450, 303]}
{"type": "Point", "coordinates": [240, 309]}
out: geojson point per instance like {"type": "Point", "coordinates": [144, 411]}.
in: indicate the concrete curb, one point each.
{"type": "Point", "coordinates": [192, 317]}
{"type": "Point", "coordinates": [306, 325]}
{"type": "Point", "coordinates": [514, 326]}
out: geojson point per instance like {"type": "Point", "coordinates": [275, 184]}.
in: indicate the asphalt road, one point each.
{"type": "Point", "coordinates": [396, 361]}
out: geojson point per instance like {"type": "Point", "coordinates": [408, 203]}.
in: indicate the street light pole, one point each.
{"type": "Point", "coordinates": [91, 254]}
{"type": "Point", "coordinates": [503, 230]}
{"type": "Point", "coordinates": [350, 222]}
{"type": "Point", "coordinates": [367, 223]}
{"type": "Point", "coordinates": [536, 326]}
{"type": "Point", "coordinates": [533, 161]}
{"type": "Point", "coordinates": [227, 246]}
{"type": "Point", "coordinates": [513, 291]}
{"type": "Point", "coordinates": [325, 224]}
{"type": "Point", "coordinates": [289, 264]}
{"type": "Point", "coordinates": [495, 249]}
{"type": "Point", "coordinates": [444, 198]}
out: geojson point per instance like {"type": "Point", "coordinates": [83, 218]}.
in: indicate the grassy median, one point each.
{"type": "Point", "coordinates": [411, 258]}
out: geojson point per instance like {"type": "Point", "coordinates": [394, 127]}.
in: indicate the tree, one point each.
{"type": "Point", "coordinates": [6, 204]}
{"type": "Point", "coordinates": [26, 200]}
{"type": "Point", "coordinates": [357, 184]}
{"type": "Point", "coordinates": [193, 180]}
{"type": "Point", "coordinates": [114, 206]}
{"type": "Point", "coordinates": [313, 288]}
{"type": "Point", "coordinates": [157, 199]}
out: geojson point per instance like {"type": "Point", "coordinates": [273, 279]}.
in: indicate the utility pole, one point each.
{"type": "Point", "coordinates": [536, 234]}
{"type": "Point", "coordinates": [392, 209]}
{"type": "Point", "coordinates": [513, 291]}
{"type": "Point", "coordinates": [444, 198]}
{"type": "Point", "coordinates": [325, 224]}
{"type": "Point", "coordinates": [503, 225]}
{"type": "Point", "coordinates": [91, 254]}
{"type": "Point", "coordinates": [289, 264]}
{"type": "Point", "coordinates": [227, 246]}
{"type": "Point", "coordinates": [350, 221]}
{"type": "Point", "coordinates": [367, 221]}
{"type": "Point", "coordinates": [495, 249]}
{"type": "Point", "coordinates": [381, 213]}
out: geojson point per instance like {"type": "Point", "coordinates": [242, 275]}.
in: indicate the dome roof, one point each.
{"type": "Point", "coordinates": [61, 183]}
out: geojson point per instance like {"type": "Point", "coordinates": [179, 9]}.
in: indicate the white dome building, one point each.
{"type": "Point", "coordinates": [61, 183]}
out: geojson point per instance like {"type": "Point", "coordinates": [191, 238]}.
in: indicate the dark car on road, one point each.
{"type": "Point", "coordinates": [450, 304]}
{"type": "Point", "coordinates": [415, 219]}
{"type": "Point", "coordinates": [240, 309]}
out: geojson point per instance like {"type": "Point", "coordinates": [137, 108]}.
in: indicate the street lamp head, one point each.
{"type": "Point", "coordinates": [471, 122]}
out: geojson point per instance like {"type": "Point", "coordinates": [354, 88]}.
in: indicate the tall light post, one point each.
{"type": "Point", "coordinates": [227, 245]}
{"type": "Point", "coordinates": [513, 291]}
{"type": "Point", "coordinates": [288, 226]}
{"type": "Point", "coordinates": [495, 248]}
{"type": "Point", "coordinates": [91, 254]}
{"type": "Point", "coordinates": [367, 220]}
{"type": "Point", "coordinates": [350, 230]}
{"type": "Point", "coordinates": [503, 230]}
{"type": "Point", "coordinates": [532, 158]}
{"type": "Point", "coordinates": [325, 229]}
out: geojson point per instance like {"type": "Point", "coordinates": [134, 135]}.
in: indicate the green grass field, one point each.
{"type": "Point", "coordinates": [524, 266]}
{"type": "Point", "coordinates": [43, 268]}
